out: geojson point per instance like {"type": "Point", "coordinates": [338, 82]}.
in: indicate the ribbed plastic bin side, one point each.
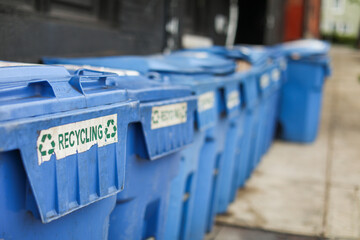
{"type": "Point", "coordinates": [62, 158]}
{"type": "Point", "coordinates": [268, 85]}
{"type": "Point", "coordinates": [248, 140]}
{"type": "Point", "coordinates": [185, 187]}
{"type": "Point", "coordinates": [278, 77]}
{"type": "Point", "coordinates": [153, 160]}
{"type": "Point", "coordinates": [229, 127]}
{"type": "Point", "coordinates": [260, 117]}
{"type": "Point", "coordinates": [234, 136]}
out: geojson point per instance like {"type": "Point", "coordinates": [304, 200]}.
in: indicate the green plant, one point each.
{"type": "Point", "coordinates": [336, 38]}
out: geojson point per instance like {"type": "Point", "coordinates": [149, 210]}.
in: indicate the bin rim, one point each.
{"type": "Point", "coordinates": [302, 48]}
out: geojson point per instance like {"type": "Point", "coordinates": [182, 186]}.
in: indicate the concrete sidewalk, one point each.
{"type": "Point", "coordinates": [309, 190]}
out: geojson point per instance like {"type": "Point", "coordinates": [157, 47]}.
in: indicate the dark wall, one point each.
{"type": "Point", "coordinates": [252, 22]}
{"type": "Point", "coordinates": [173, 13]}
{"type": "Point", "coordinates": [260, 21]}
{"type": "Point", "coordinates": [294, 16]}
{"type": "Point", "coordinates": [200, 18]}
{"type": "Point", "coordinates": [275, 14]}
{"type": "Point", "coordinates": [30, 29]}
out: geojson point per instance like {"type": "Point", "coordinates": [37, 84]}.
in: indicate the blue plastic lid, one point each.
{"type": "Point", "coordinates": [139, 87]}
{"type": "Point", "coordinates": [208, 61]}
{"type": "Point", "coordinates": [303, 48]}
{"type": "Point", "coordinates": [253, 54]}
{"type": "Point", "coordinates": [33, 90]}
{"type": "Point", "coordinates": [218, 50]}
{"type": "Point", "coordinates": [140, 64]}
{"type": "Point", "coordinates": [159, 67]}
{"type": "Point", "coordinates": [179, 62]}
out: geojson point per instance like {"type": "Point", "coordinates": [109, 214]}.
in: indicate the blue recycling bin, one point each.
{"type": "Point", "coordinates": [278, 78]}
{"type": "Point", "coordinates": [202, 151]}
{"type": "Point", "coordinates": [301, 100]}
{"type": "Point", "coordinates": [232, 126]}
{"type": "Point", "coordinates": [270, 69]}
{"type": "Point", "coordinates": [85, 127]}
{"type": "Point", "coordinates": [59, 171]}
{"type": "Point", "coordinates": [153, 158]}
{"type": "Point", "coordinates": [266, 73]}
{"type": "Point", "coordinates": [258, 83]}
{"type": "Point", "coordinates": [269, 87]}
{"type": "Point", "coordinates": [248, 140]}
{"type": "Point", "coordinates": [188, 218]}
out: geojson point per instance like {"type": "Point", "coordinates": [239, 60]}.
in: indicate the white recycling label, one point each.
{"type": "Point", "coordinates": [168, 115]}
{"type": "Point", "coordinates": [233, 99]}
{"type": "Point", "coordinates": [77, 137]}
{"type": "Point", "coordinates": [275, 74]}
{"type": "Point", "coordinates": [283, 64]}
{"type": "Point", "coordinates": [206, 101]}
{"type": "Point", "coordinates": [264, 81]}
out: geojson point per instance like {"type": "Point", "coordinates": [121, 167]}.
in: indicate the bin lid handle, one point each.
{"type": "Point", "coordinates": [82, 75]}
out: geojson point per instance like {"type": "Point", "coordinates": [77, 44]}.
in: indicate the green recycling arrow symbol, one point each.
{"type": "Point", "coordinates": [43, 140]}
{"type": "Point", "coordinates": [155, 117]}
{"type": "Point", "coordinates": [107, 132]}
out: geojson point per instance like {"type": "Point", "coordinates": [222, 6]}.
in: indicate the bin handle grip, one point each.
{"type": "Point", "coordinates": [77, 81]}
{"type": "Point", "coordinates": [42, 87]}
{"type": "Point", "coordinates": [90, 72]}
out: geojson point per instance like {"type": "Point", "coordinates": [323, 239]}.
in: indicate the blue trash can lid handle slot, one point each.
{"type": "Point", "coordinates": [78, 80]}
{"type": "Point", "coordinates": [88, 72]}
{"type": "Point", "coordinates": [40, 88]}
{"type": "Point", "coordinates": [43, 88]}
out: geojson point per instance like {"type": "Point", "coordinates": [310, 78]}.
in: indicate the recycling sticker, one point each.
{"type": "Point", "coordinates": [168, 115]}
{"type": "Point", "coordinates": [206, 101]}
{"type": "Point", "coordinates": [264, 81]}
{"type": "Point", "coordinates": [233, 99]}
{"type": "Point", "coordinates": [275, 74]}
{"type": "Point", "coordinates": [77, 137]}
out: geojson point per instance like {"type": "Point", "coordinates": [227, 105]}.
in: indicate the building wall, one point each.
{"type": "Point", "coordinates": [274, 21]}
{"type": "Point", "coordinates": [251, 27]}
{"type": "Point", "coordinates": [30, 29]}
{"type": "Point", "coordinates": [341, 17]}
{"type": "Point", "coordinates": [312, 18]}
{"type": "Point", "coordinates": [294, 19]}
{"type": "Point", "coordinates": [206, 18]}
{"type": "Point", "coordinates": [260, 21]}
